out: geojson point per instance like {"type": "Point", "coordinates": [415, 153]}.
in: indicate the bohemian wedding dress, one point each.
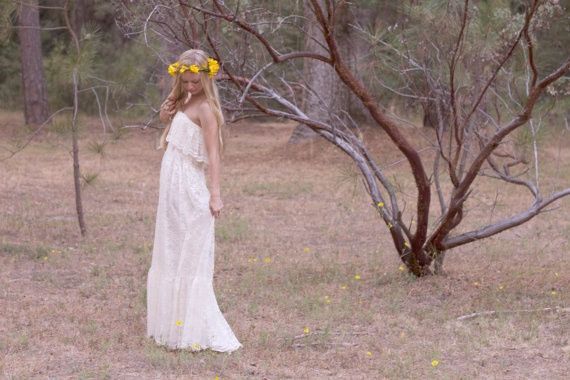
{"type": "Point", "coordinates": [182, 310]}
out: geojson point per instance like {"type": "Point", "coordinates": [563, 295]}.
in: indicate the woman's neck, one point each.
{"type": "Point", "coordinates": [198, 97]}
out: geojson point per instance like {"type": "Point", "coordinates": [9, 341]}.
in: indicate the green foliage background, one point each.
{"type": "Point", "coordinates": [124, 65]}
{"type": "Point", "coordinates": [131, 70]}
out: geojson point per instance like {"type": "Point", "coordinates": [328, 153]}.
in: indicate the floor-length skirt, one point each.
{"type": "Point", "coordinates": [182, 310]}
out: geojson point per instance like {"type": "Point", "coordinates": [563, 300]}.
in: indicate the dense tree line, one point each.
{"type": "Point", "coordinates": [134, 70]}
{"type": "Point", "coordinates": [123, 62]}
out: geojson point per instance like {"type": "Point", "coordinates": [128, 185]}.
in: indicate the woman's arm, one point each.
{"type": "Point", "coordinates": [210, 129]}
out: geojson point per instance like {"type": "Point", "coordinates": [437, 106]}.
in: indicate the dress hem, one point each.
{"type": "Point", "coordinates": [192, 349]}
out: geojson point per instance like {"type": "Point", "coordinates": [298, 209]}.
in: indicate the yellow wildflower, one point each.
{"type": "Point", "coordinates": [327, 299]}
{"type": "Point", "coordinates": [434, 363]}
{"type": "Point", "coordinates": [213, 67]}
{"type": "Point", "coordinates": [179, 323]}
{"type": "Point", "coordinates": [307, 250]}
{"type": "Point", "coordinates": [357, 277]}
{"type": "Point", "coordinates": [267, 260]}
{"type": "Point", "coordinates": [368, 353]}
{"type": "Point", "coordinates": [196, 346]}
{"type": "Point", "coordinates": [402, 268]}
{"type": "Point", "coordinates": [173, 68]}
{"type": "Point", "coordinates": [306, 330]}
{"type": "Point", "coordinates": [380, 204]}
{"type": "Point", "coordinates": [553, 292]}
{"type": "Point", "coordinates": [406, 244]}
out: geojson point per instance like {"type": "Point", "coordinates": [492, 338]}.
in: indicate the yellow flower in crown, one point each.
{"type": "Point", "coordinates": [213, 67]}
{"type": "Point", "coordinates": [178, 68]}
{"type": "Point", "coordinates": [173, 68]}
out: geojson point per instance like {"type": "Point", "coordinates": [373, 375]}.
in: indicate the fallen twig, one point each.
{"type": "Point", "coordinates": [321, 344]}
{"type": "Point", "coordinates": [496, 312]}
{"type": "Point", "coordinates": [141, 126]}
{"type": "Point", "coordinates": [330, 333]}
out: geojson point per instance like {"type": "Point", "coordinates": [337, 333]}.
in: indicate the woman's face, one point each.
{"type": "Point", "coordinates": [191, 82]}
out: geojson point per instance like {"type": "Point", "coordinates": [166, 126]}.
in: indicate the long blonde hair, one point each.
{"type": "Point", "coordinates": [200, 58]}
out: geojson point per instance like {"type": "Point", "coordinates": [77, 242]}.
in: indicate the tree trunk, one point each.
{"type": "Point", "coordinates": [78, 16]}
{"type": "Point", "coordinates": [33, 82]}
{"type": "Point", "coordinates": [75, 143]}
{"type": "Point", "coordinates": [326, 94]}
{"type": "Point", "coordinates": [431, 119]}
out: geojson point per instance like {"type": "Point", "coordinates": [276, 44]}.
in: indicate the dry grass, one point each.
{"type": "Point", "coordinates": [296, 230]}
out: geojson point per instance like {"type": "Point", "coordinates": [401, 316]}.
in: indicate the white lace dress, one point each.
{"type": "Point", "coordinates": [182, 310]}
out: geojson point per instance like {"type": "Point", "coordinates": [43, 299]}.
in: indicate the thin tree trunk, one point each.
{"type": "Point", "coordinates": [326, 94]}
{"type": "Point", "coordinates": [76, 170]}
{"type": "Point", "coordinates": [430, 114]}
{"type": "Point", "coordinates": [33, 82]}
{"type": "Point", "coordinates": [78, 16]}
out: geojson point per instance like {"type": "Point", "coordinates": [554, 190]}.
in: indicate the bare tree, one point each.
{"type": "Point", "coordinates": [468, 138]}
{"type": "Point", "coordinates": [33, 82]}
{"type": "Point", "coordinates": [74, 128]}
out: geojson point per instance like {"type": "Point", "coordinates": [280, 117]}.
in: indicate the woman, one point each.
{"type": "Point", "coordinates": [182, 311]}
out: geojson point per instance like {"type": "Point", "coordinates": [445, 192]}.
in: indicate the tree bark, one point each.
{"type": "Point", "coordinates": [430, 114]}
{"type": "Point", "coordinates": [326, 94]}
{"type": "Point", "coordinates": [33, 81]}
{"type": "Point", "coordinates": [78, 16]}
{"type": "Point", "coordinates": [76, 169]}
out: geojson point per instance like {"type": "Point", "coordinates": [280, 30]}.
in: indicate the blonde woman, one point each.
{"type": "Point", "coordinates": [182, 310]}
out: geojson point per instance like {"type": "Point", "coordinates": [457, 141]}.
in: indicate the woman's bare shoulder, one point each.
{"type": "Point", "coordinates": [206, 111]}
{"type": "Point", "coordinates": [205, 107]}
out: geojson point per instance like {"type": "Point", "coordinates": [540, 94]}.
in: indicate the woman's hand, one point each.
{"type": "Point", "coordinates": [167, 110]}
{"type": "Point", "coordinates": [216, 206]}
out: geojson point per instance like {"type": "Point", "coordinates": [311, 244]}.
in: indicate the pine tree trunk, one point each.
{"type": "Point", "coordinates": [33, 82]}
{"type": "Point", "coordinates": [431, 119]}
{"type": "Point", "coordinates": [328, 95]}
{"type": "Point", "coordinates": [78, 16]}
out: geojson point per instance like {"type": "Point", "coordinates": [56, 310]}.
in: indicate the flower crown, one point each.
{"type": "Point", "coordinates": [179, 68]}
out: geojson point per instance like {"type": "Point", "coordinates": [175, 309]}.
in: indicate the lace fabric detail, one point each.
{"type": "Point", "coordinates": [186, 136]}
{"type": "Point", "coordinates": [182, 309]}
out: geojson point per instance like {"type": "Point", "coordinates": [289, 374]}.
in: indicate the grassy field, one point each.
{"type": "Point", "coordinates": [305, 273]}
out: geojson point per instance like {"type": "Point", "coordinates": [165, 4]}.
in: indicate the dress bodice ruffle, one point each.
{"type": "Point", "coordinates": [186, 136]}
